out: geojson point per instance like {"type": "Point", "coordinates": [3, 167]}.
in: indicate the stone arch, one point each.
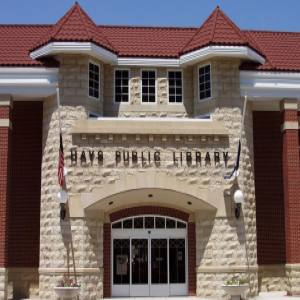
{"type": "Point", "coordinates": [149, 210]}
{"type": "Point", "coordinates": [121, 191]}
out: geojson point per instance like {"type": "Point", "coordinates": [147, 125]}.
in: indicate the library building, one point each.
{"type": "Point", "coordinates": [148, 161]}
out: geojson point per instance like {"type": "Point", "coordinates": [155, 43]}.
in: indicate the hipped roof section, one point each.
{"type": "Point", "coordinates": [75, 26]}
{"type": "Point", "coordinates": [218, 29]}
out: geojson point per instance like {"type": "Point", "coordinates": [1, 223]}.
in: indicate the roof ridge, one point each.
{"type": "Point", "coordinates": [66, 17]}
{"type": "Point", "coordinates": [215, 24]}
{"type": "Point", "coordinates": [108, 41]}
{"type": "Point", "coordinates": [234, 26]}
{"type": "Point", "coordinates": [80, 15]}
{"type": "Point", "coordinates": [196, 32]}
{"type": "Point", "coordinates": [144, 26]}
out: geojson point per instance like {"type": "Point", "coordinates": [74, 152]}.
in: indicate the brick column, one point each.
{"type": "Point", "coordinates": [291, 184]}
{"type": "Point", "coordinates": [5, 150]}
{"type": "Point", "coordinates": [106, 260]}
{"type": "Point", "coordinates": [192, 258]}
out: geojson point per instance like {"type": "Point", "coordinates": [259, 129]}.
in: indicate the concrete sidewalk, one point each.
{"type": "Point", "coordinates": [275, 295]}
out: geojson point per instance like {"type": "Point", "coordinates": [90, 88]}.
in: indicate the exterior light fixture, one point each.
{"type": "Point", "coordinates": [62, 198]}
{"type": "Point", "coordinates": [238, 199]}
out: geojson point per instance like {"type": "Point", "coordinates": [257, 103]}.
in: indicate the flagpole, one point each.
{"type": "Point", "coordinates": [235, 171]}
{"type": "Point", "coordinates": [243, 117]}
{"type": "Point", "coordinates": [58, 107]}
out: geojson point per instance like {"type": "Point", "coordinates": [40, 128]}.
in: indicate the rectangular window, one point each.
{"type": "Point", "coordinates": [121, 86]}
{"type": "Point", "coordinates": [204, 82]}
{"type": "Point", "coordinates": [175, 86]}
{"type": "Point", "coordinates": [94, 80]}
{"type": "Point", "coordinates": [148, 86]}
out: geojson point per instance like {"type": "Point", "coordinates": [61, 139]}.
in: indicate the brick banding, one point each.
{"type": "Point", "coordinates": [149, 210]}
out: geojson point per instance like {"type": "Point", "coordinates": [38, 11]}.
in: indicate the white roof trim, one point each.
{"type": "Point", "coordinates": [109, 57]}
{"type": "Point", "coordinates": [269, 84]}
{"type": "Point", "coordinates": [34, 82]}
{"type": "Point", "coordinates": [75, 47]}
{"type": "Point", "coordinates": [160, 62]}
{"type": "Point", "coordinates": [231, 51]}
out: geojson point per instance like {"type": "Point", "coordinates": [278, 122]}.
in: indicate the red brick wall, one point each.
{"type": "Point", "coordinates": [291, 179]}
{"type": "Point", "coordinates": [5, 156]}
{"type": "Point", "coordinates": [106, 260]}
{"type": "Point", "coordinates": [24, 231]}
{"type": "Point", "coordinates": [149, 210]}
{"type": "Point", "coordinates": [268, 167]}
{"type": "Point", "coordinates": [192, 258]}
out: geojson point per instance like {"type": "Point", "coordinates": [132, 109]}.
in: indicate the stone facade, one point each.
{"type": "Point", "coordinates": [77, 243]}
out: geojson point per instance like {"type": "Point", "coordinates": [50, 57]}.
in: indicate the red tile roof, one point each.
{"type": "Point", "coordinates": [164, 42]}
{"type": "Point", "coordinates": [15, 41]}
{"type": "Point", "coordinates": [280, 49]}
{"type": "Point", "coordinates": [218, 29]}
{"type": "Point", "coordinates": [75, 26]}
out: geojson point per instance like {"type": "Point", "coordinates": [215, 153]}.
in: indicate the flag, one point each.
{"type": "Point", "coordinates": [61, 163]}
{"type": "Point", "coordinates": [237, 163]}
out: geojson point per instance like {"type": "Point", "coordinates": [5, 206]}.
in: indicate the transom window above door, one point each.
{"type": "Point", "coordinates": [148, 86]}
{"type": "Point", "coordinates": [148, 222]}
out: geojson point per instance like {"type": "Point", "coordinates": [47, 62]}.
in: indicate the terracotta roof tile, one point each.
{"type": "Point", "coordinates": [75, 26]}
{"type": "Point", "coordinates": [280, 49]}
{"type": "Point", "coordinates": [148, 41]}
{"type": "Point", "coordinates": [15, 42]}
{"type": "Point", "coordinates": [218, 29]}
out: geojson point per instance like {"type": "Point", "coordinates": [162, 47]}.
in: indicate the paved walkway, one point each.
{"type": "Point", "coordinates": [262, 296]}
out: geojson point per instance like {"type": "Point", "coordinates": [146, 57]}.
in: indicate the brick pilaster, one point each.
{"type": "Point", "coordinates": [106, 260]}
{"type": "Point", "coordinates": [291, 179]}
{"type": "Point", "coordinates": [5, 150]}
{"type": "Point", "coordinates": [192, 258]}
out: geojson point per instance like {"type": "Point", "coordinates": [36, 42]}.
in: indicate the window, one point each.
{"type": "Point", "coordinates": [94, 86]}
{"type": "Point", "coordinates": [148, 86]}
{"type": "Point", "coordinates": [204, 83]}
{"type": "Point", "coordinates": [122, 86]}
{"type": "Point", "coordinates": [207, 117]}
{"type": "Point", "coordinates": [175, 86]}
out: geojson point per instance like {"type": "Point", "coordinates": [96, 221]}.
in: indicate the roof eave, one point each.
{"type": "Point", "coordinates": [243, 52]}
{"type": "Point", "coordinates": [89, 48]}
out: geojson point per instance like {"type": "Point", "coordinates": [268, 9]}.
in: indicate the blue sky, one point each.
{"type": "Point", "coordinates": [280, 15]}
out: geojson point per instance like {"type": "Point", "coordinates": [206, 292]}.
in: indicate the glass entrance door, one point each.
{"type": "Point", "coordinates": [159, 267]}
{"type": "Point", "coordinates": [139, 267]}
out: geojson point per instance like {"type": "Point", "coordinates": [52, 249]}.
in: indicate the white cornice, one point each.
{"type": "Point", "coordinates": [109, 57]}
{"type": "Point", "coordinates": [269, 84]}
{"type": "Point", "coordinates": [75, 47]}
{"type": "Point", "coordinates": [231, 51]}
{"type": "Point", "coordinates": [159, 62]}
{"type": "Point", "coordinates": [33, 82]}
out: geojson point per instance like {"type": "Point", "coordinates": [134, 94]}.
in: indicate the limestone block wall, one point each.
{"type": "Point", "coordinates": [228, 243]}
{"type": "Point", "coordinates": [272, 278]}
{"type": "Point", "coordinates": [78, 242]}
{"type": "Point", "coordinates": [73, 246]}
{"type": "Point", "coordinates": [135, 108]}
{"type": "Point", "coordinates": [73, 82]}
{"type": "Point", "coordinates": [23, 283]}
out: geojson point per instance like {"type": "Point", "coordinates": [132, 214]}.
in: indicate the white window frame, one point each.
{"type": "Point", "coordinates": [122, 69]}
{"type": "Point", "coordinates": [205, 99]}
{"type": "Point", "coordinates": [92, 62]}
{"type": "Point", "coordinates": [148, 103]}
{"type": "Point", "coordinates": [175, 70]}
